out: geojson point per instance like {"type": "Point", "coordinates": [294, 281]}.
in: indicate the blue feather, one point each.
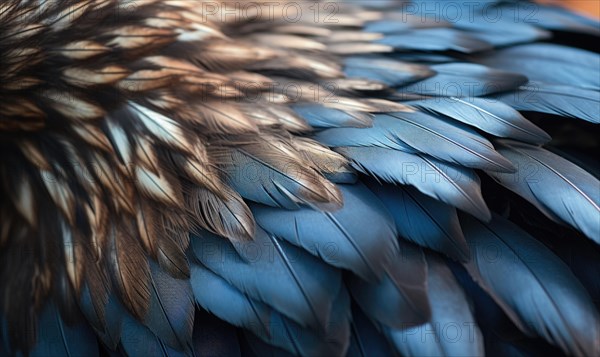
{"type": "Point", "coordinates": [549, 63]}
{"type": "Point", "coordinates": [386, 70]}
{"type": "Point", "coordinates": [502, 31]}
{"type": "Point", "coordinates": [360, 237]}
{"type": "Point", "coordinates": [56, 338]}
{"type": "Point", "coordinates": [423, 220]}
{"type": "Point", "coordinates": [465, 80]}
{"type": "Point", "coordinates": [457, 186]}
{"type": "Point", "coordinates": [320, 116]}
{"type": "Point", "coordinates": [446, 140]}
{"type": "Point", "coordinates": [574, 197]}
{"type": "Point", "coordinates": [218, 297]}
{"type": "Point", "coordinates": [139, 341]}
{"type": "Point", "coordinates": [171, 312]}
{"type": "Point", "coordinates": [422, 57]}
{"type": "Point", "coordinates": [366, 340]}
{"type": "Point", "coordinates": [281, 275]}
{"type": "Point", "coordinates": [399, 300]}
{"type": "Point", "coordinates": [533, 286]}
{"type": "Point", "coordinates": [566, 101]}
{"type": "Point", "coordinates": [228, 303]}
{"type": "Point", "coordinates": [452, 330]}
{"type": "Point", "coordinates": [408, 131]}
{"type": "Point", "coordinates": [107, 327]}
{"type": "Point", "coordinates": [435, 39]}
{"type": "Point", "coordinates": [265, 172]}
{"type": "Point", "coordinates": [382, 134]}
{"type": "Point", "coordinates": [407, 21]}
{"type": "Point", "coordinates": [491, 116]}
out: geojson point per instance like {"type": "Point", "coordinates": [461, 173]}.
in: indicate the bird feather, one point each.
{"type": "Point", "coordinates": [542, 295]}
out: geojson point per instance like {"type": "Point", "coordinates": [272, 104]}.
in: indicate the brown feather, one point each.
{"type": "Point", "coordinates": [226, 214]}
{"type": "Point", "coordinates": [129, 269]}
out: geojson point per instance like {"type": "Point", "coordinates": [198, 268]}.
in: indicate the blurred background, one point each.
{"type": "Point", "coordinates": [590, 8]}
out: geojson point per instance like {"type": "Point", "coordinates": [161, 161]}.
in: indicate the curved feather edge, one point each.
{"type": "Point", "coordinates": [108, 330]}
{"type": "Point", "coordinates": [565, 101]}
{"type": "Point", "coordinates": [139, 341]}
{"type": "Point", "coordinates": [230, 304]}
{"type": "Point", "coordinates": [574, 197]}
{"type": "Point", "coordinates": [549, 63]}
{"type": "Point", "coordinates": [360, 237]}
{"type": "Point", "coordinates": [542, 295]}
{"type": "Point", "coordinates": [273, 173]}
{"type": "Point", "coordinates": [292, 281]}
{"type": "Point", "coordinates": [491, 116]}
{"type": "Point", "coordinates": [435, 39]}
{"type": "Point", "coordinates": [453, 326]}
{"type": "Point", "coordinates": [412, 131]}
{"type": "Point", "coordinates": [171, 313]}
{"type": "Point", "coordinates": [469, 80]}
{"type": "Point", "coordinates": [448, 141]}
{"type": "Point", "coordinates": [423, 220]}
{"type": "Point", "coordinates": [454, 185]}
{"type": "Point", "coordinates": [399, 299]}
{"type": "Point", "coordinates": [386, 70]}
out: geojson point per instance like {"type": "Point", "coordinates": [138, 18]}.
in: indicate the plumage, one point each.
{"type": "Point", "coordinates": [285, 181]}
{"type": "Point", "coordinates": [398, 299]}
{"type": "Point", "coordinates": [549, 63]}
{"type": "Point", "coordinates": [422, 220]}
{"type": "Point", "coordinates": [452, 330]}
{"type": "Point", "coordinates": [171, 312]}
{"type": "Point", "coordinates": [257, 178]}
{"type": "Point", "coordinates": [566, 101]}
{"type": "Point", "coordinates": [138, 340]}
{"type": "Point", "coordinates": [490, 116]}
{"type": "Point", "coordinates": [552, 302]}
{"type": "Point", "coordinates": [359, 237]}
{"type": "Point", "coordinates": [574, 199]}
{"type": "Point", "coordinates": [61, 339]}
{"type": "Point", "coordinates": [410, 130]}
{"type": "Point", "coordinates": [382, 69]}
{"type": "Point", "coordinates": [276, 273]}
{"type": "Point", "coordinates": [465, 80]}
{"type": "Point", "coordinates": [448, 183]}
{"type": "Point", "coordinates": [435, 39]}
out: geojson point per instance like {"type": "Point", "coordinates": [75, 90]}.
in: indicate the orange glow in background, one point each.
{"type": "Point", "coordinates": [589, 8]}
